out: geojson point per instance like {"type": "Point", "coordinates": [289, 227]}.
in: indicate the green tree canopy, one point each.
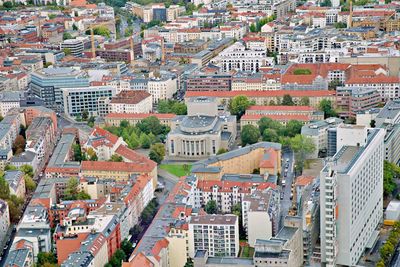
{"type": "Point", "coordinates": [326, 106]}
{"type": "Point", "coordinates": [249, 135]}
{"type": "Point", "coordinates": [287, 100]}
{"type": "Point", "coordinates": [239, 104]}
{"type": "Point", "coordinates": [67, 35]}
{"type": "Point", "coordinates": [270, 135]}
{"type": "Point", "coordinates": [211, 207]}
{"type": "Point", "coordinates": [116, 158]}
{"type": "Point", "coordinates": [157, 152]}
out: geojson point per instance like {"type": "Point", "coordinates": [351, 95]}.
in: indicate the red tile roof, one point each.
{"type": "Point", "coordinates": [304, 180]}
{"type": "Point", "coordinates": [274, 93]}
{"type": "Point", "coordinates": [282, 108]}
{"type": "Point", "coordinates": [103, 137]}
{"type": "Point", "coordinates": [130, 97]}
{"type": "Point", "coordinates": [272, 160]}
{"type": "Point", "coordinates": [226, 186]}
{"type": "Point", "coordinates": [139, 260]}
{"type": "Point", "coordinates": [161, 244]}
{"type": "Point", "coordinates": [287, 117]}
{"type": "Point", "coordinates": [133, 156]}
{"type": "Point", "coordinates": [139, 115]}
{"type": "Point", "coordinates": [127, 167]}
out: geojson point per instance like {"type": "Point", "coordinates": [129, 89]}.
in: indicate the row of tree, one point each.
{"type": "Point", "coordinates": [390, 172]}
{"type": "Point", "coordinates": [388, 249]}
{"type": "Point", "coordinates": [172, 106]}
{"type": "Point", "coordinates": [145, 133]}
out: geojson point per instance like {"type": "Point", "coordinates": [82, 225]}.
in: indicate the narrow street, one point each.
{"type": "Point", "coordinates": [286, 202]}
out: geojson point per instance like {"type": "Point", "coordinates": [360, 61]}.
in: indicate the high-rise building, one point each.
{"type": "Point", "coordinates": [218, 234]}
{"type": "Point", "coordinates": [47, 84]}
{"type": "Point", "coordinates": [352, 195]}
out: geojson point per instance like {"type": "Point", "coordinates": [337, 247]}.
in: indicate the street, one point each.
{"type": "Point", "coordinates": [286, 203]}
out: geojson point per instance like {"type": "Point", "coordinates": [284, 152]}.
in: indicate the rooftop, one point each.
{"type": "Point", "coordinates": [130, 97]}
{"type": "Point", "coordinates": [214, 219]}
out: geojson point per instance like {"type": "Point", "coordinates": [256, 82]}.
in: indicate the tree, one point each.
{"type": "Point", "coordinates": [67, 51]}
{"type": "Point", "coordinates": [77, 152]}
{"type": "Point", "coordinates": [253, 27]}
{"type": "Point", "coordinates": [304, 101]}
{"type": "Point", "coordinates": [4, 188]}
{"type": "Point", "coordinates": [189, 263]}
{"type": "Point", "coordinates": [211, 207]}
{"type": "Point", "coordinates": [157, 152]}
{"type": "Point", "coordinates": [150, 125]}
{"type": "Point", "coordinates": [27, 170]}
{"type": "Point", "coordinates": [268, 123]}
{"type": "Point", "coordinates": [46, 257]}
{"type": "Point", "coordinates": [270, 135]}
{"type": "Point", "coordinates": [179, 108]}
{"type": "Point", "coordinates": [71, 191]}
{"type": "Point", "coordinates": [373, 124]}
{"type": "Point", "coordinates": [301, 146]}
{"type": "Point", "coordinates": [74, 27]}
{"type": "Point", "coordinates": [101, 30]}
{"type": "Point", "coordinates": [19, 145]}
{"type": "Point", "coordinates": [239, 104]}
{"type": "Point", "coordinates": [237, 210]}
{"type": "Point", "coordinates": [334, 83]}
{"type": "Point", "coordinates": [128, 32]}
{"type": "Point", "coordinates": [30, 185]}
{"type": "Point", "coordinates": [47, 64]}
{"type": "Point", "coordinates": [8, 5]}
{"type": "Point", "coordinates": [222, 151]}
{"type": "Point", "coordinates": [326, 106]}
{"type": "Point", "coordinates": [83, 195]}
{"type": "Point", "coordinates": [293, 127]}
{"type": "Point", "coordinates": [145, 141]}
{"type": "Point", "coordinates": [287, 100]}
{"type": "Point", "coordinates": [85, 114]}
{"type": "Point", "coordinates": [127, 248]}
{"type": "Point", "coordinates": [67, 35]}
{"type": "Point", "coordinates": [92, 156]}
{"type": "Point", "coordinates": [340, 25]}
{"type": "Point", "coordinates": [390, 171]}
{"type": "Point", "coordinates": [250, 135]}
{"type": "Point", "coordinates": [116, 158]}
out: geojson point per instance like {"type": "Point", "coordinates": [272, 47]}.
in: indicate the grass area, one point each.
{"type": "Point", "coordinates": [176, 169]}
{"type": "Point", "coordinates": [247, 252]}
{"type": "Point", "coordinates": [302, 72]}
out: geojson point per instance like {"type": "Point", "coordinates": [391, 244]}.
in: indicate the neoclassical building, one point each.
{"type": "Point", "coordinates": [202, 132]}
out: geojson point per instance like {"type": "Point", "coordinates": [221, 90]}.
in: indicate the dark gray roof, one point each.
{"type": "Point", "coordinates": [17, 257]}
{"type": "Point", "coordinates": [78, 259]}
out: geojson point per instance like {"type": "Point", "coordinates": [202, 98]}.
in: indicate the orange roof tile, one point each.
{"type": "Point", "coordinates": [282, 108]}
{"type": "Point", "coordinates": [304, 180]}
{"type": "Point", "coordinates": [127, 167]}
{"type": "Point", "coordinates": [139, 260]}
{"type": "Point", "coordinates": [139, 115]}
{"type": "Point", "coordinates": [274, 93]}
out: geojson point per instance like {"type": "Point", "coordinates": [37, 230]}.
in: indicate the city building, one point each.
{"type": "Point", "coordinates": [353, 100]}
{"type": "Point", "coordinates": [20, 255]}
{"type": "Point", "coordinates": [134, 101]}
{"type": "Point", "coordinates": [202, 132]}
{"type": "Point", "coordinates": [162, 88]}
{"type": "Point", "coordinates": [388, 118]}
{"type": "Point", "coordinates": [73, 46]}
{"type": "Point", "coordinates": [261, 212]}
{"type": "Point", "coordinates": [16, 183]}
{"type": "Point", "coordinates": [4, 220]}
{"type": "Point", "coordinates": [265, 97]}
{"type": "Point", "coordinates": [77, 100]}
{"type": "Point", "coordinates": [114, 119]}
{"type": "Point", "coordinates": [319, 132]}
{"type": "Point", "coordinates": [103, 143]}
{"type": "Point", "coordinates": [209, 82]}
{"type": "Point", "coordinates": [48, 83]}
{"type": "Point", "coordinates": [349, 220]}
{"type": "Point", "coordinates": [9, 100]}
{"type": "Point", "coordinates": [218, 234]}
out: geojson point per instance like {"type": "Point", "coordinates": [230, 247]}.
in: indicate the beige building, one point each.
{"type": "Point", "coordinates": [264, 156]}
{"type": "Point", "coordinates": [114, 119]}
{"type": "Point", "coordinates": [202, 132]}
{"type": "Point", "coordinates": [162, 88]}
{"type": "Point", "coordinates": [4, 220]}
{"type": "Point", "coordinates": [260, 212]}
{"type": "Point", "coordinates": [16, 183]}
{"type": "Point", "coordinates": [134, 101]}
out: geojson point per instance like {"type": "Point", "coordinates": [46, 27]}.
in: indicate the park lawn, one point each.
{"type": "Point", "coordinates": [176, 169]}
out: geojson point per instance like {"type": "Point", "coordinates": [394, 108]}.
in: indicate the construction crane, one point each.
{"type": "Point", "coordinates": [93, 48]}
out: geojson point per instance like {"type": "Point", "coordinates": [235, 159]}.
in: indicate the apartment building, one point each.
{"type": "Point", "coordinates": [218, 234]}
{"type": "Point", "coordinates": [318, 131]}
{"type": "Point", "coordinates": [388, 118]}
{"type": "Point", "coordinates": [20, 254]}
{"type": "Point", "coordinates": [261, 212]}
{"type": "Point", "coordinates": [9, 100]}
{"type": "Point", "coordinates": [4, 220]}
{"type": "Point", "coordinates": [131, 102]}
{"type": "Point", "coordinates": [103, 143]}
{"type": "Point", "coordinates": [76, 100]}
{"type": "Point", "coordinates": [238, 57]}
{"type": "Point", "coordinates": [16, 183]}
{"type": "Point", "coordinates": [349, 220]}
{"type": "Point", "coordinates": [162, 88]}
